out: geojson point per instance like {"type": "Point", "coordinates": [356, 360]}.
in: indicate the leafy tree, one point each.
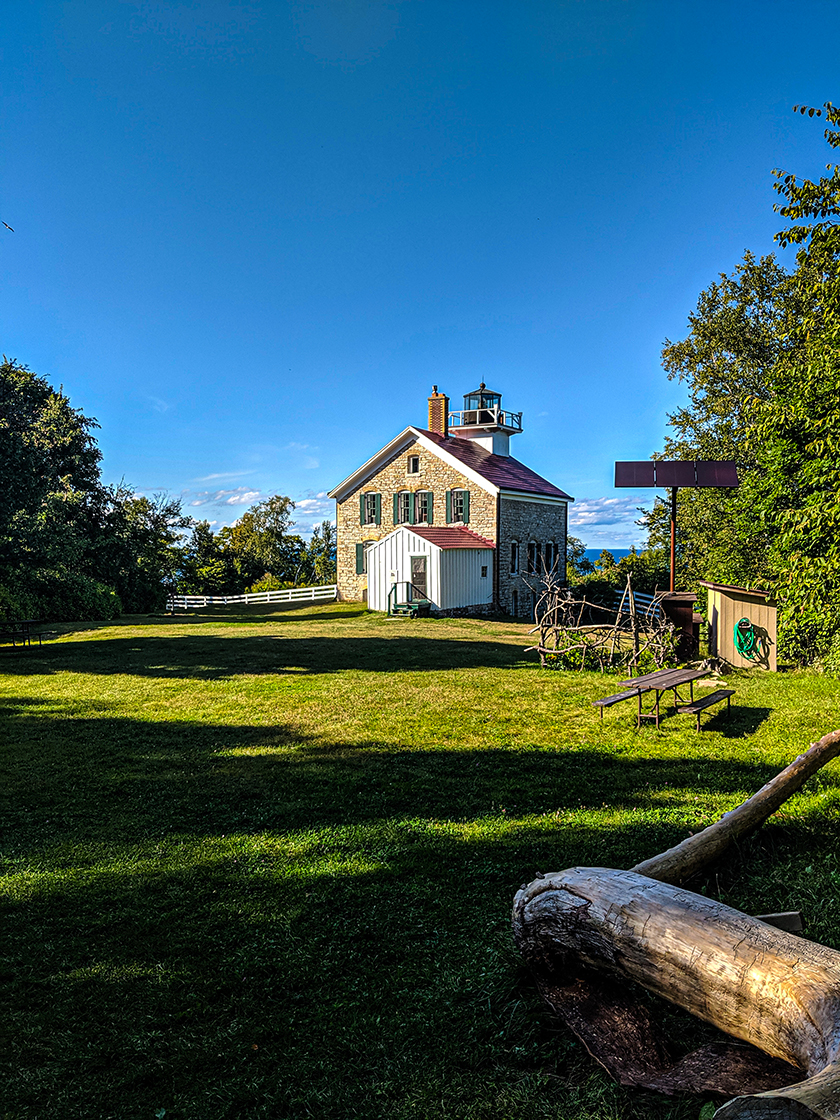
{"type": "Point", "coordinates": [797, 428]}
{"type": "Point", "coordinates": [71, 547]}
{"type": "Point", "coordinates": [737, 334]}
{"type": "Point", "coordinates": [260, 542]}
{"type": "Point", "coordinates": [319, 556]}
{"type": "Point", "coordinates": [206, 569]}
{"type": "Point", "coordinates": [577, 564]}
{"type": "Point", "coordinates": [762, 362]}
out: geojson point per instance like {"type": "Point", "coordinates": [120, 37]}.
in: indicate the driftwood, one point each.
{"type": "Point", "coordinates": [586, 931]}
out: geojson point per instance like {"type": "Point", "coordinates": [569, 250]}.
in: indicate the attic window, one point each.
{"type": "Point", "coordinates": [414, 464]}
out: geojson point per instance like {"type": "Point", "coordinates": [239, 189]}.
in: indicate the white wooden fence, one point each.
{"type": "Point", "coordinates": [289, 595]}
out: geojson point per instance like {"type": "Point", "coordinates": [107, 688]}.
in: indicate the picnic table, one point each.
{"type": "Point", "coordinates": [19, 630]}
{"type": "Point", "coordinates": [666, 680]}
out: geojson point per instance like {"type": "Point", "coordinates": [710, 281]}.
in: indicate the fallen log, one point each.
{"type": "Point", "coordinates": [586, 931]}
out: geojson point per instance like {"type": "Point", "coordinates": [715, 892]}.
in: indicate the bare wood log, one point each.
{"type": "Point", "coordinates": [692, 855]}
{"type": "Point", "coordinates": [758, 983]}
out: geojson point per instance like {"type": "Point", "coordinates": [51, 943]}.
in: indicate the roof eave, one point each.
{"type": "Point", "coordinates": [359, 476]}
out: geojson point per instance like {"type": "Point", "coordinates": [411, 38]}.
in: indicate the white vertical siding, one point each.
{"type": "Point", "coordinates": [462, 584]}
{"type": "Point", "coordinates": [393, 554]}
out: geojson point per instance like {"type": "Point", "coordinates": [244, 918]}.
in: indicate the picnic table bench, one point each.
{"type": "Point", "coordinates": [19, 630]}
{"type": "Point", "coordinates": [666, 680]}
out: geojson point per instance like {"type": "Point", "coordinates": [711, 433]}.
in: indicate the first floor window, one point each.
{"type": "Point", "coordinates": [362, 550]}
{"type": "Point", "coordinates": [534, 558]}
{"type": "Point", "coordinates": [484, 571]}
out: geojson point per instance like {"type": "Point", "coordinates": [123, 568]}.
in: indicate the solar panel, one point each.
{"type": "Point", "coordinates": [635, 474]}
{"type": "Point", "coordinates": [717, 473]}
{"type": "Point", "coordinates": [674, 472]}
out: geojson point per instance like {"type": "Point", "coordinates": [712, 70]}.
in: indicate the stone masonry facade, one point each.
{"type": "Point", "coordinates": [393, 477]}
{"type": "Point", "coordinates": [524, 522]}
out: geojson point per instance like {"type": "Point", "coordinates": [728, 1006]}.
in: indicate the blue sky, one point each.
{"type": "Point", "coordinates": [250, 237]}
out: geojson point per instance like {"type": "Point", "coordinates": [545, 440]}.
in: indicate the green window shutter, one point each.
{"type": "Point", "coordinates": [431, 507]}
{"type": "Point", "coordinates": [378, 516]}
{"type": "Point", "coordinates": [411, 509]}
{"type": "Point", "coordinates": [466, 507]}
{"type": "Point", "coordinates": [448, 506]}
{"type": "Point", "coordinates": [396, 509]}
{"type": "Point", "coordinates": [360, 559]}
{"type": "Point", "coordinates": [362, 508]}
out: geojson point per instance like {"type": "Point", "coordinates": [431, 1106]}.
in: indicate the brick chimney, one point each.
{"type": "Point", "coordinates": [439, 412]}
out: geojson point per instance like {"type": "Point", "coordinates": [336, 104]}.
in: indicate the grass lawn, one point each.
{"type": "Point", "coordinates": [262, 865]}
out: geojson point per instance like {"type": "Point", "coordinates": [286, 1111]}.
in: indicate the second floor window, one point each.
{"type": "Point", "coordinates": [423, 507]}
{"type": "Point", "coordinates": [404, 502]}
{"type": "Point", "coordinates": [550, 556]}
{"type": "Point", "coordinates": [458, 506]}
{"type": "Point", "coordinates": [370, 509]}
{"type": "Point", "coordinates": [514, 557]}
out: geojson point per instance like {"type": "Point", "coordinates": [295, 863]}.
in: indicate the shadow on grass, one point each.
{"type": "Point", "coordinates": [237, 935]}
{"type": "Point", "coordinates": [738, 722]}
{"type": "Point", "coordinates": [213, 656]}
{"type": "Point", "coordinates": [101, 777]}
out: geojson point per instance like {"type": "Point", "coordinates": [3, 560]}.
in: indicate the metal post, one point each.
{"type": "Point", "coordinates": [673, 535]}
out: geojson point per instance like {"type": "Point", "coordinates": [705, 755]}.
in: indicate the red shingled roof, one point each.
{"type": "Point", "coordinates": [450, 537]}
{"type": "Point", "coordinates": [501, 470]}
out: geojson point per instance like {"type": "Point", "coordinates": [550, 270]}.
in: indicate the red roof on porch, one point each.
{"type": "Point", "coordinates": [450, 537]}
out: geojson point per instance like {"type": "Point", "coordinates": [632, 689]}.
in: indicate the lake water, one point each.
{"type": "Point", "coordinates": [593, 553]}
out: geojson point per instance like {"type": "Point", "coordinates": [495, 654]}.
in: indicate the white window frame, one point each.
{"type": "Point", "coordinates": [413, 464]}
{"type": "Point", "coordinates": [404, 507]}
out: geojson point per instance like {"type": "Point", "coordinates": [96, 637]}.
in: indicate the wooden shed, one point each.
{"type": "Point", "coordinates": [742, 626]}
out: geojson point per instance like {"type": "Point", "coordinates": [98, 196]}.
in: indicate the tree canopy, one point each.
{"type": "Point", "coordinates": [762, 366]}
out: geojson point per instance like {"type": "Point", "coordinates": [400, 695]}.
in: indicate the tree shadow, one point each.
{"type": "Point", "coordinates": [248, 922]}
{"type": "Point", "coordinates": [211, 656]}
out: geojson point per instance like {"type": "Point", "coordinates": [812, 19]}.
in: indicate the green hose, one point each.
{"type": "Point", "coordinates": [747, 642]}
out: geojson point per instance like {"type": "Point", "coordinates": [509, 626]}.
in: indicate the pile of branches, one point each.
{"type": "Point", "coordinates": [577, 633]}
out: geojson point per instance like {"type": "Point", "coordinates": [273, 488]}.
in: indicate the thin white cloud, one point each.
{"type": "Point", "coordinates": [222, 474]}
{"type": "Point", "coordinates": [158, 404]}
{"type": "Point", "coordinates": [310, 464]}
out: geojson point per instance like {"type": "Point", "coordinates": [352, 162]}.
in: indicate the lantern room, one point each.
{"type": "Point", "coordinates": [483, 420]}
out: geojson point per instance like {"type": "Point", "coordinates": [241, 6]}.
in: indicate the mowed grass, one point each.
{"type": "Point", "coordinates": [263, 865]}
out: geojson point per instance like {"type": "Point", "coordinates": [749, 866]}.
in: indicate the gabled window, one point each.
{"type": "Point", "coordinates": [514, 558]}
{"type": "Point", "coordinates": [370, 508]}
{"type": "Point", "coordinates": [413, 464]}
{"type": "Point", "coordinates": [424, 507]}
{"type": "Point", "coordinates": [458, 506]}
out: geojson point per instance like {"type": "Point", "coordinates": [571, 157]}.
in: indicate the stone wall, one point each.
{"type": "Point", "coordinates": [434, 475]}
{"type": "Point", "coordinates": [525, 521]}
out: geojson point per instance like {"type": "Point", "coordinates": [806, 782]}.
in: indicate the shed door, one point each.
{"type": "Point", "coordinates": [418, 577]}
